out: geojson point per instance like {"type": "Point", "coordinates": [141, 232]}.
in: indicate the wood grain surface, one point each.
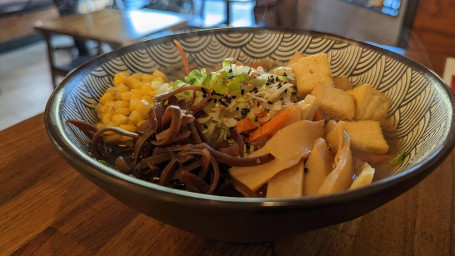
{"type": "Point", "coordinates": [434, 25]}
{"type": "Point", "coordinates": [48, 208]}
{"type": "Point", "coordinates": [114, 26]}
{"type": "Point", "coordinates": [21, 25]}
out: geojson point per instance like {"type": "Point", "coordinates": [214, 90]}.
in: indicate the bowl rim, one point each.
{"type": "Point", "coordinates": [80, 160]}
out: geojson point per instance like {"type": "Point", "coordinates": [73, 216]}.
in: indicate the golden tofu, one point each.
{"type": "Point", "coordinates": [367, 136]}
{"type": "Point", "coordinates": [297, 56]}
{"type": "Point", "coordinates": [370, 104]}
{"type": "Point", "coordinates": [334, 103]}
{"type": "Point", "coordinates": [311, 71]}
{"type": "Point", "coordinates": [342, 82]}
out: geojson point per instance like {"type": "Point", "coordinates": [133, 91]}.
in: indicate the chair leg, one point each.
{"type": "Point", "coordinates": [50, 57]}
{"type": "Point", "coordinates": [228, 13]}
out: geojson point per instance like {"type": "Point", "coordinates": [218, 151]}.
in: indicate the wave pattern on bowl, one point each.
{"type": "Point", "coordinates": [419, 115]}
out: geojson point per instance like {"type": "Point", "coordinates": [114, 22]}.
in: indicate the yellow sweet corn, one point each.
{"type": "Point", "coordinates": [126, 104]}
{"type": "Point", "coordinates": [119, 78]}
{"type": "Point", "coordinates": [147, 78]}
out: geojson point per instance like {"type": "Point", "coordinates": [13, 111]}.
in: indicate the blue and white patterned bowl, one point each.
{"type": "Point", "coordinates": [421, 116]}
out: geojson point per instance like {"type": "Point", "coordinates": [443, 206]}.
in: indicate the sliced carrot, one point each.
{"type": "Point", "coordinates": [271, 127]}
{"type": "Point", "coordinates": [245, 125]}
{"type": "Point", "coordinates": [317, 116]}
{"type": "Point", "coordinates": [261, 114]}
{"type": "Point", "coordinates": [238, 63]}
{"type": "Point", "coordinates": [262, 63]}
{"type": "Point", "coordinates": [183, 56]}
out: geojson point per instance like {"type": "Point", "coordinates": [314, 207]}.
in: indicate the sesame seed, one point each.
{"type": "Point", "coordinates": [247, 110]}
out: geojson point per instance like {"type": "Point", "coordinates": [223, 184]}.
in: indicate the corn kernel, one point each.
{"type": "Point", "coordinates": [132, 82]}
{"type": "Point", "coordinates": [137, 76]}
{"type": "Point", "coordinates": [106, 118]}
{"type": "Point", "coordinates": [99, 114]}
{"type": "Point", "coordinates": [160, 75]}
{"type": "Point", "coordinates": [107, 108]}
{"type": "Point", "coordinates": [149, 99]}
{"type": "Point", "coordinates": [126, 96]}
{"type": "Point", "coordinates": [111, 90]}
{"type": "Point", "coordinates": [156, 84]}
{"type": "Point", "coordinates": [120, 104]}
{"type": "Point", "coordinates": [121, 88]}
{"type": "Point", "coordinates": [136, 91]}
{"type": "Point", "coordinates": [119, 119]}
{"type": "Point", "coordinates": [146, 87]}
{"type": "Point", "coordinates": [133, 102]}
{"type": "Point", "coordinates": [128, 127]}
{"type": "Point", "coordinates": [135, 116]}
{"type": "Point", "coordinates": [123, 111]}
{"type": "Point", "coordinates": [119, 78]}
{"type": "Point", "coordinates": [143, 107]}
{"type": "Point", "coordinates": [106, 97]}
{"type": "Point", "coordinates": [146, 78]}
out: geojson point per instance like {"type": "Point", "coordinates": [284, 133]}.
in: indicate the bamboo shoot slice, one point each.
{"type": "Point", "coordinates": [318, 165]}
{"type": "Point", "coordinates": [287, 183]}
{"type": "Point", "coordinates": [335, 138]}
{"type": "Point", "coordinates": [308, 107]}
{"type": "Point", "coordinates": [289, 145]}
{"type": "Point", "coordinates": [365, 177]}
{"type": "Point", "coordinates": [341, 177]}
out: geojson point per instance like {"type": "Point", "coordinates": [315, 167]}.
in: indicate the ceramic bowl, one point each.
{"type": "Point", "coordinates": [421, 114]}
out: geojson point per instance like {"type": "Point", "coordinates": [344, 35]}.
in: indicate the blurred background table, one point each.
{"type": "Point", "coordinates": [48, 208]}
{"type": "Point", "coordinates": [111, 26]}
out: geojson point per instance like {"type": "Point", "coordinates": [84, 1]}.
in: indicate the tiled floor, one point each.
{"type": "Point", "coordinates": [25, 84]}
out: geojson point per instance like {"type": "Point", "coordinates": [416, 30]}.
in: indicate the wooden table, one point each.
{"type": "Point", "coordinates": [48, 208]}
{"type": "Point", "coordinates": [112, 26]}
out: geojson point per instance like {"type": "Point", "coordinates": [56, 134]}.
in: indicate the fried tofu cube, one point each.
{"type": "Point", "coordinates": [342, 82]}
{"type": "Point", "coordinates": [370, 104]}
{"type": "Point", "coordinates": [366, 135]}
{"type": "Point", "coordinates": [297, 56]}
{"type": "Point", "coordinates": [311, 71]}
{"type": "Point", "coordinates": [334, 103]}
